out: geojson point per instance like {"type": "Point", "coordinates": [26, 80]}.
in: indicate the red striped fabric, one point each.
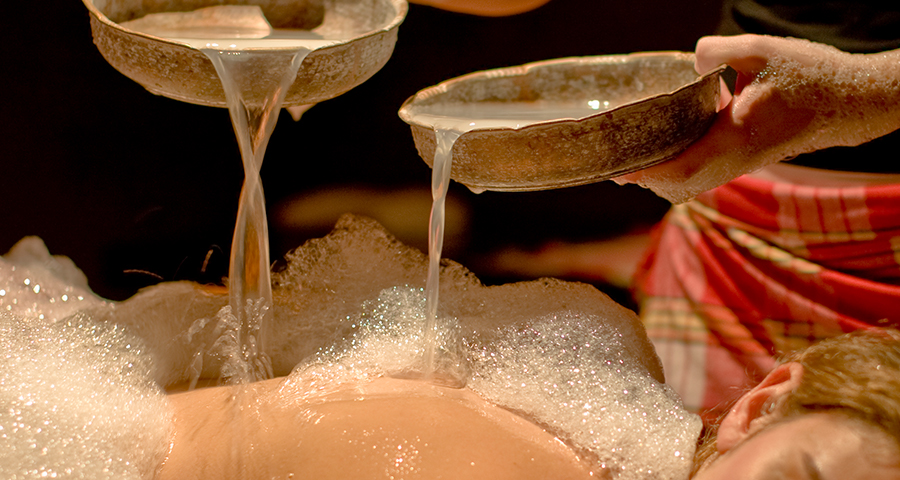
{"type": "Point", "coordinates": [757, 268]}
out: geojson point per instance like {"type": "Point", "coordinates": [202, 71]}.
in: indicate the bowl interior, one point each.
{"type": "Point", "coordinates": [350, 17]}
{"type": "Point", "coordinates": [613, 80]}
{"type": "Point", "coordinates": [367, 29]}
{"type": "Point", "coordinates": [303, 14]}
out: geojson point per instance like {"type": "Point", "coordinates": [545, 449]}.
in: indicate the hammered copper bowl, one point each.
{"type": "Point", "coordinates": [178, 71]}
{"type": "Point", "coordinates": [658, 106]}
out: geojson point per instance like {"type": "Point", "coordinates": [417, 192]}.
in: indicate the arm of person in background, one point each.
{"type": "Point", "coordinates": [488, 8]}
{"type": "Point", "coordinates": [791, 97]}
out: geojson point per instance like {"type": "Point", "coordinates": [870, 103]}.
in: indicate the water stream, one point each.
{"type": "Point", "coordinates": [450, 121]}
{"type": "Point", "coordinates": [256, 74]}
{"type": "Point", "coordinates": [249, 282]}
{"type": "Point", "coordinates": [256, 65]}
{"type": "Point", "coordinates": [440, 181]}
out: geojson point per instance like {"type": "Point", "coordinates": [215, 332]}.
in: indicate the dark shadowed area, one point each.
{"type": "Point", "coordinates": [138, 189]}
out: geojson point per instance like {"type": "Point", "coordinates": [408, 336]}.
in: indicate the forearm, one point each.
{"type": "Point", "coordinates": [489, 8]}
{"type": "Point", "coordinates": [791, 97]}
{"type": "Point", "coordinates": [871, 97]}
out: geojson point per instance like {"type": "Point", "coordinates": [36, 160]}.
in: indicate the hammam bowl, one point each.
{"type": "Point", "coordinates": [658, 105]}
{"type": "Point", "coordinates": [178, 71]}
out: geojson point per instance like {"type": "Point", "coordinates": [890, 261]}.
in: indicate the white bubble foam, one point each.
{"type": "Point", "coordinates": [36, 285]}
{"type": "Point", "coordinates": [572, 374]}
{"type": "Point", "coordinates": [331, 319]}
{"type": "Point", "coordinates": [328, 279]}
{"type": "Point", "coordinates": [79, 401]}
{"type": "Point", "coordinates": [388, 339]}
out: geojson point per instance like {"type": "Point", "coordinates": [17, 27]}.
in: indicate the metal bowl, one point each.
{"type": "Point", "coordinates": [658, 106]}
{"type": "Point", "coordinates": [178, 71]}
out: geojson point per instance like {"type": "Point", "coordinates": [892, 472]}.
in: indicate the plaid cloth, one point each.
{"type": "Point", "coordinates": [757, 268]}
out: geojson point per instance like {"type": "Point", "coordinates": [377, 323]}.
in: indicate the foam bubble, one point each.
{"type": "Point", "coordinates": [34, 284]}
{"type": "Point", "coordinates": [79, 401]}
{"type": "Point", "coordinates": [388, 338]}
{"type": "Point", "coordinates": [572, 374]}
{"type": "Point", "coordinates": [340, 315]}
{"type": "Point", "coordinates": [328, 279]}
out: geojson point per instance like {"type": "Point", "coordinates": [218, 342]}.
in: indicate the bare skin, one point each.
{"type": "Point", "coordinates": [388, 428]}
{"type": "Point", "coordinates": [488, 8]}
{"type": "Point", "coordinates": [754, 440]}
{"type": "Point", "coordinates": [791, 97]}
{"type": "Point", "coordinates": [811, 447]}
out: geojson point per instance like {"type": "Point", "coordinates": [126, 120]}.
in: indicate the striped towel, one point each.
{"type": "Point", "coordinates": [759, 267]}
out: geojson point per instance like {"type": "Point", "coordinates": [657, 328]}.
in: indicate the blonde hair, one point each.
{"type": "Point", "coordinates": [857, 374]}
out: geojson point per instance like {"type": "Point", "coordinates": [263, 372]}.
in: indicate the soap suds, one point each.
{"type": "Point", "coordinates": [570, 373]}
{"type": "Point", "coordinates": [79, 401]}
{"type": "Point", "coordinates": [557, 353]}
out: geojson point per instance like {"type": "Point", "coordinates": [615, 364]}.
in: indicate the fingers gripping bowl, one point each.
{"type": "Point", "coordinates": [641, 109]}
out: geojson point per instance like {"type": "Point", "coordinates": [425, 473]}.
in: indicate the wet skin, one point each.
{"type": "Point", "coordinates": [388, 428]}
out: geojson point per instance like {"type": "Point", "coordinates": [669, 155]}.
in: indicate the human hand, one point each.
{"type": "Point", "coordinates": [791, 97]}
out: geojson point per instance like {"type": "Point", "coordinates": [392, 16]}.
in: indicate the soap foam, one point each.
{"type": "Point", "coordinates": [835, 98]}
{"type": "Point", "coordinates": [572, 374]}
{"type": "Point", "coordinates": [327, 279]}
{"type": "Point", "coordinates": [79, 401]}
{"type": "Point", "coordinates": [36, 285]}
{"type": "Point", "coordinates": [341, 317]}
{"type": "Point", "coordinates": [389, 339]}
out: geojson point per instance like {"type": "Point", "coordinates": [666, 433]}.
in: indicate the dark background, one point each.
{"type": "Point", "coordinates": [137, 188]}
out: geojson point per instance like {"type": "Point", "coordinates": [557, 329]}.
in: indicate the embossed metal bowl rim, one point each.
{"type": "Point", "coordinates": [401, 7]}
{"type": "Point", "coordinates": [186, 74]}
{"type": "Point", "coordinates": [475, 167]}
{"type": "Point", "coordinates": [523, 70]}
